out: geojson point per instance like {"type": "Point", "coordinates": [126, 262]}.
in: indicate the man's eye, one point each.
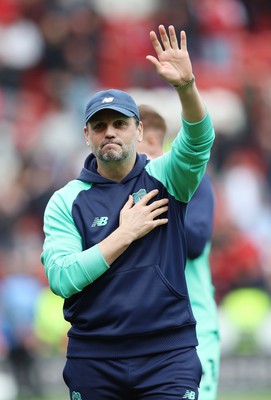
{"type": "Point", "coordinates": [121, 123]}
{"type": "Point", "coordinates": [98, 127]}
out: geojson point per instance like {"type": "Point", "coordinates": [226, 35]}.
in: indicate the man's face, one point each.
{"type": "Point", "coordinates": [112, 136]}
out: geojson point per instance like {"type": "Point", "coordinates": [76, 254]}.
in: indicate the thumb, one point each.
{"type": "Point", "coordinates": [154, 61]}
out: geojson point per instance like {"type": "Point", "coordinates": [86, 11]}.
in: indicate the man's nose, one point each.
{"type": "Point", "coordinates": [110, 131]}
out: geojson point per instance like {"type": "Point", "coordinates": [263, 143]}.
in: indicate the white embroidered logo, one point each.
{"type": "Point", "coordinates": [189, 394]}
{"type": "Point", "coordinates": [108, 100]}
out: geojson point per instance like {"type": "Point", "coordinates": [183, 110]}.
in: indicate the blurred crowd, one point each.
{"type": "Point", "coordinates": [53, 56]}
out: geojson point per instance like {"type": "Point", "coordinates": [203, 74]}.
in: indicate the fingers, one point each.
{"type": "Point", "coordinates": [159, 204]}
{"type": "Point", "coordinates": [164, 37]}
{"type": "Point", "coordinates": [145, 199]}
{"type": "Point", "coordinates": [157, 207]}
{"type": "Point", "coordinates": [160, 221]}
{"type": "Point", "coordinates": [129, 203]}
{"type": "Point", "coordinates": [155, 42]}
{"type": "Point", "coordinates": [183, 41]}
{"type": "Point", "coordinates": [154, 61]}
{"type": "Point", "coordinates": [173, 38]}
{"type": "Point", "coordinates": [159, 211]}
{"type": "Point", "coordinates": [168, 41]}
{"type": "Point", "coordinates": [143, 217]}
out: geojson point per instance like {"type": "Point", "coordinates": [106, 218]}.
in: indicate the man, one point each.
{"type": "Point", "coordinates": [112, 252]}
{"type": "Point", "coordinates": [198, 230]}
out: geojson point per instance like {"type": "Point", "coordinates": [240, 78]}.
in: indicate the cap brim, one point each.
{"type": "Point", "coordinates": [123, 111]}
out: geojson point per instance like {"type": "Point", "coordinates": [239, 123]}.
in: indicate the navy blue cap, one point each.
{"type": "Point", "coordinates": [113, 99]}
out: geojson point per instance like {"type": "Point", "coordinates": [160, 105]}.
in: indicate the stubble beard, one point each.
{"type": "Point", "coordinates": [112, 155]}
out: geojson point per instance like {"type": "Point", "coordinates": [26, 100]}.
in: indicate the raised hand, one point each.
{"type": "Point", "coordinates": [172, 63]}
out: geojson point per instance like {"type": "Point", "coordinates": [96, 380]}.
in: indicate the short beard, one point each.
{"type": "Point", "coordinates": [112, 155]}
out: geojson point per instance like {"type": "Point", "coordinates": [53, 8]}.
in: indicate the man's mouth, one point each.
{"type": "Point", "coordinates": [110, 144]}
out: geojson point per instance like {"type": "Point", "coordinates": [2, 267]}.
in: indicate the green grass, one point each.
{"type": "Point", "coordinates": [245, 396]}
{"type": "Point", "coordinates": [44, 398]}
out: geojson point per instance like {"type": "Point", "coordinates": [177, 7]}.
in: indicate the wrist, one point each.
{"type": "Point", "coordinates": [124, 236]}
{"type": "Point", "coordinates": [186, 84]}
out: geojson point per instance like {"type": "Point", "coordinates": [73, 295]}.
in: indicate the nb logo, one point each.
{"type": "Point", "coordinates": [190, 395]}
{"type": "Point", "coordinates": [108, 100]}
{"type": "Point", "coordinates": [99, 221]}
{"type": "Point", "coordinates": [76, 396]}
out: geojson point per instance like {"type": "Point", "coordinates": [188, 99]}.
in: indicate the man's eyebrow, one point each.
{"type": "Point", "coordinates": [115, 118]}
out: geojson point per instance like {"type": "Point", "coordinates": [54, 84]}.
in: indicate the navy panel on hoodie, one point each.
{"type": "Point", "coordinates": [145, 275]}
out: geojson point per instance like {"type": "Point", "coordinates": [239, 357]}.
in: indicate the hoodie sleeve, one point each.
{"type": "Point", "coordinates": [199, 218]}
{"type": "Point", "coordinates": [68, 268]}
{"type": "Point", "coordinates": [182, 168]}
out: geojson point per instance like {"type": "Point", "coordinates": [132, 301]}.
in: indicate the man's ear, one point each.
{"type": "Point", "coordinates": [140, 132]}
{"type": "Point", "coordinates": [86, 135]}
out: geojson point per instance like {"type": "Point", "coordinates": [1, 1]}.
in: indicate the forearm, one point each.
{"type": "Point", "coordinates": [181, 169]}
{"type": "Point", "coordinates": [69, 270]}
{"type": "Point", "coordinates": [193, 107]}
{"type": "Point", "coordinates": [115, 244]}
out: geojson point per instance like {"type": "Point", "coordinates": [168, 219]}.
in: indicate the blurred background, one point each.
{"type": "Point", "coordinates": [53, 56]}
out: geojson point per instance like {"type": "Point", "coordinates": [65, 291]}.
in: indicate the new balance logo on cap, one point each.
{"type": "Point", "coordinates": [108, 100]}
{"type": "Point", "coordinates": [99, 221]}
{"type": "Point", "coordinates": [112, 99]}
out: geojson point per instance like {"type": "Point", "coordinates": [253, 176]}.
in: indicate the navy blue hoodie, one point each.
{"type": "Point", "coordinates": [139, 304]}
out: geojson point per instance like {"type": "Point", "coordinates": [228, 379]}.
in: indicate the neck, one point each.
{"type": "Point", "coordinates": [115, 170]}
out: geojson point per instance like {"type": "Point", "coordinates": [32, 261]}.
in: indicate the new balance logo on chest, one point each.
{"type": "Point", "coordinates": [99, 221]}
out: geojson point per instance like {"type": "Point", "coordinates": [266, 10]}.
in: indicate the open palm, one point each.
{"type": "Point", "coordinates": [172, 63]}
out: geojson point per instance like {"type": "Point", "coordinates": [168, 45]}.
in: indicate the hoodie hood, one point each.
{"type": "Point", "coordinates": [89, 172]}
